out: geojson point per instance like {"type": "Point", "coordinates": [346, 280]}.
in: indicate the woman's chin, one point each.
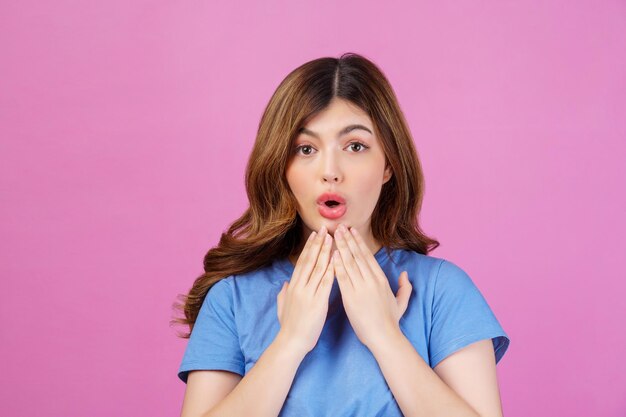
{"type": "Point", "coordinates": [331, 225]}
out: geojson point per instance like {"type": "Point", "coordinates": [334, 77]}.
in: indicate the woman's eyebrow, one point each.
{"type": "Point", "coordinates": [342, 132]}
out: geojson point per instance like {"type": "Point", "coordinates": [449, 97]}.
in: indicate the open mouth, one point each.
{"type": "Point", "coordinates": [331, 205]}
{"type": "Point", "coordinates": [332, 209]}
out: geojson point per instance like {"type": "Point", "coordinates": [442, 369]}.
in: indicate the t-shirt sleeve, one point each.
{"type": "Point", "coordinates": [214, 343]}
{"type": "Point", "coordinates": [461, 316]}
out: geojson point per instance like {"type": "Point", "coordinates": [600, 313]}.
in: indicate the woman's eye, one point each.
{"type": "Point", "coordinates": [305, 148]}
{"type": "Point", "coordinates": [357, 146]}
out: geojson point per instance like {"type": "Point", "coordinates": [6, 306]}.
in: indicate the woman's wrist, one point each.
{"type": "Point", "coordinates": [289, 346]}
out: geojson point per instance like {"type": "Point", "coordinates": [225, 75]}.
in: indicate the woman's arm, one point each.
{"type": "Point", "coordinates": [263, 390]}
{"type": "Point", "coordinates": [421, 391]}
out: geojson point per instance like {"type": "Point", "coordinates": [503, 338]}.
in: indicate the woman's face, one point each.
{"type": "Point", "coordinates": [338, 153]}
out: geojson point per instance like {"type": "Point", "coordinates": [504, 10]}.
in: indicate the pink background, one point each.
{"type": "Point", "coordinates": [126, 126]}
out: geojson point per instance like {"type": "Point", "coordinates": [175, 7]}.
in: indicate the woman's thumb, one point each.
{"type": "Point", "coordinates": [404, 292]}
{"type": "Point", "coordinates": [279, 300]}
{"type": "Point", "coordinates": [283, 289]}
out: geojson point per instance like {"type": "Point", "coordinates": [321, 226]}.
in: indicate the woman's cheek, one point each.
{"type": "Point", "coordinates": [298, 183]}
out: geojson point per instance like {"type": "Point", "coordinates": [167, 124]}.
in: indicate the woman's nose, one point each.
{"type": "Point", "coordinates": [330, 169]}
{"type": "Point", "coordinates": [331, 178]}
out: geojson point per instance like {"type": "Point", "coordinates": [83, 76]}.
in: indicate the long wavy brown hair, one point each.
{"type": "Point", "coordinates": [271, 227]}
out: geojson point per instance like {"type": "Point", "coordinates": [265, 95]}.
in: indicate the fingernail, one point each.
{"type": "Point", "coordinates": [323, 230]}
{"type": "Point", "coordinates": [327, 239]}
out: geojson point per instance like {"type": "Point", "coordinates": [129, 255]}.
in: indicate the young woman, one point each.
{"type": "Point", "coordinates": [335, 189]}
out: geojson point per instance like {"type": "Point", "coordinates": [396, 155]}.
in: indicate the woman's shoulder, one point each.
{"type": "Point", "coordinates": [270, 275]}
{"type": "Point", "coordinates": [442, 272]}
{"type": "Point", "coordinates": [423, 267]}
{"type": "Point", "coordinates": [413, 259]}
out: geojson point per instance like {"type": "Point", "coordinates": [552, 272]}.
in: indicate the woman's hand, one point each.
{"type": "Point", "coordinates": [302, 303]}
{"type": "Point", "coordinates": [374, 312]}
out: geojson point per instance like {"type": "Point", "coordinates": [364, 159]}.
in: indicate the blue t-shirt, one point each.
{"type": "Point", "coordinates": [340, 376]}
